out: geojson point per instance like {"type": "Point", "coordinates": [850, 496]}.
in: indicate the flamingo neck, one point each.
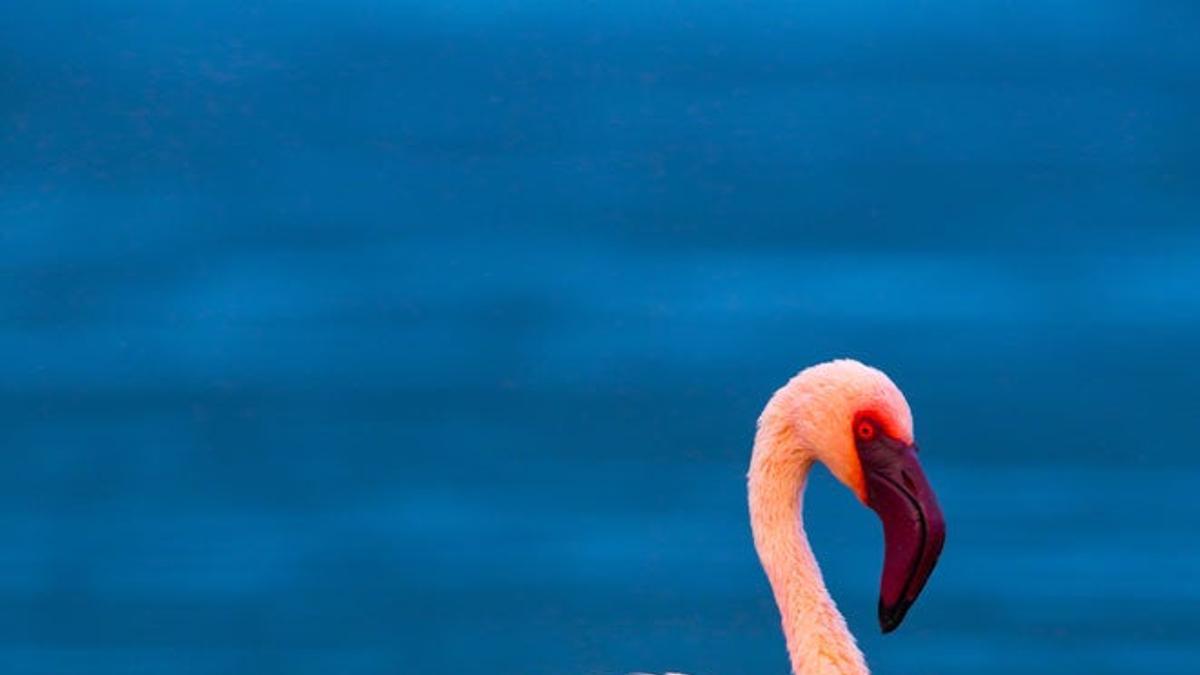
{"type": "Point", "coordinates": [818, 640]}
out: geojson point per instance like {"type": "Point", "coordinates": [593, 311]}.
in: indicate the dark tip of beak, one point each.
{"type": "Point", "coordinates": [891, 616]}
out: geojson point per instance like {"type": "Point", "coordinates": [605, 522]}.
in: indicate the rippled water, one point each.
{"type": "Point", "coordinates": [368, 337]}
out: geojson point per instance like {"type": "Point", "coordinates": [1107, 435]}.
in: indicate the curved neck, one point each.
{"type": "Point", "coordinates": [818, 640]}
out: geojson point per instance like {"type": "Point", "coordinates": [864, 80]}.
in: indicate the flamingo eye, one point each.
{"type": "Point", "coordinates": [865, 430]}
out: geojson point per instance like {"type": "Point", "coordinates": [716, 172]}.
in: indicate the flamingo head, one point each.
{"type": "Point", "coordinates": [858, 424]}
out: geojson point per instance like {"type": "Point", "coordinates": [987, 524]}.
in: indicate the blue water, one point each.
{"type": "Point", "coordinates": [374, 337]}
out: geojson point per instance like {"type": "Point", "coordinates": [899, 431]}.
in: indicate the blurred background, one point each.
{"type": "Point", "coordinates": [365, 337]}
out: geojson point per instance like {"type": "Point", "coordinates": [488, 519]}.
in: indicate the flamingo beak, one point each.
{"type": "Point", "coordinates": [913, 527]}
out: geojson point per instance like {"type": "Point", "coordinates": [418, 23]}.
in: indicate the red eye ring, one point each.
{"type": "Point", "coordinates": [865, 430]}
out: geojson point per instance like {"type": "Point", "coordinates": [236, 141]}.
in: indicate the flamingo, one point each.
{"type": "Point", "coordinates": [854, 420]}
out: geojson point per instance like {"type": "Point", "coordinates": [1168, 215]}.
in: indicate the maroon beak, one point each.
{"type": "Point", "coordinates": [913, 527]}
